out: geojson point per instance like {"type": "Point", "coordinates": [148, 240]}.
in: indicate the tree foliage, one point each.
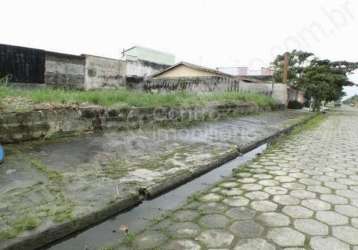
{"type": "Point", "coordinates": [297, 61]}
{"type": "Point", "coordinates": [321, 80]}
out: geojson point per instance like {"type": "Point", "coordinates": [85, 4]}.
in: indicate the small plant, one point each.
{"type": "Point", "coordinates": [129, 239]}
{"type": "Point", "coordinates": [4, 81]}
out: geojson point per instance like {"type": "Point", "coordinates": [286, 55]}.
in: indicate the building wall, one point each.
{"type": "Point", "coordinates": [140, 68]}
{"type": "Point", "coordinates": [184, 71]}
{"type": "Point", "coordinates": [64, 70]}
{"type": "Point", "coordinates": [277, 90]}
{"type": "Point", "coordinates": [101, 72]}
{"type": "Point", "coordinates": [22, 65]}
{"type": "Point", "coordinates": [296, 95]}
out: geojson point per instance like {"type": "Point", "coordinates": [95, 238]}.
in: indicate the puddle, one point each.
{"type": "Point", "coordinates": [136, 218]}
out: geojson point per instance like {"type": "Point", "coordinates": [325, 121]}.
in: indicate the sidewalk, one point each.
{"type": "Point", "coordinates": [301, 194]}
{"type": "Point", "coordinates": [50, 189]}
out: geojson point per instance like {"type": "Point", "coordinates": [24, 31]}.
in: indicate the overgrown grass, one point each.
{"type": "Point", "coordinates": [127, 98]}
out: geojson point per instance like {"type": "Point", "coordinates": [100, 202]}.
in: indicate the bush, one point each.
{"type": "Point", "coordinates": [294, 105]}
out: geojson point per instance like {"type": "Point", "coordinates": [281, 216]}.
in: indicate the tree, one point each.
{"type": "Point", "coordinates": [321, 80]}
{"type": "Point", "coordinates": [297, 60]}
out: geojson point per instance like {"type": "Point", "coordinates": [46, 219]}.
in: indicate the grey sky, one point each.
{"type": "Point", "coordinates": [208, 32]}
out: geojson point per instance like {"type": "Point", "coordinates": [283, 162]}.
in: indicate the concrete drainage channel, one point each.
{"type": "Point", "coordinates": [136, 218]}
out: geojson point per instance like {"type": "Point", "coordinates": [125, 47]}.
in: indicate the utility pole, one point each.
{"type": "Point", "coordinates": [285, 68]}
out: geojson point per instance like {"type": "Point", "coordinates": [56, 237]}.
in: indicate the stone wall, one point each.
{"type": "Point", "coordinates": [65, 70]}
{"type": "Point", "coordinates": [17, 127]}
{"type": "Point", "coordinates": [104, 72]}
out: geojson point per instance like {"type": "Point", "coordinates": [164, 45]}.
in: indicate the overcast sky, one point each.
{"type": "Point", "coordinates": [207, 32]}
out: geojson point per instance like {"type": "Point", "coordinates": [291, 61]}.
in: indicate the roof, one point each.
{"type": "Point", "coordinates": [192, 66]}
{"type": "Point", "coordinates": [249, 79]}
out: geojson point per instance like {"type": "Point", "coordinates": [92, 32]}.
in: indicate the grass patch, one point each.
{"type": "Point", "coordinates": [19, 226]}
{"type": "Point", "coordinates": [311, 124]}
{"type": "Point", "coordinates": [127, 98]}
{"type": "Point", "coordinates": [52, 175]}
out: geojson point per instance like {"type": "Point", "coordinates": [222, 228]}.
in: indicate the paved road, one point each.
{"type": "Point", "coordinates": [302, 194]}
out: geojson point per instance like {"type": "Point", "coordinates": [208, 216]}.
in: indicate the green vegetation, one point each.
{"type": "Point", "coordinates": [20, 225]}
{"type": "Point", "coordinates": [128, 239]}
{"type": "Point", "coordinates": [52, 175]}
{"type": "Point", "coordinates": [321, 80]}
{"type": "Point", "coordinates": [127, 98]}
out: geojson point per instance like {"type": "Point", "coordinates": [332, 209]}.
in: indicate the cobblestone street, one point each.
{"type": "Point", "coordinates": [300, 194]}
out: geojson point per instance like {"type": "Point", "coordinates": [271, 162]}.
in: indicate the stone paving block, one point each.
{"type": "Point", "coordinates": [215, 238]}
{"type": "Point", "coordinates": [236, 201]}
{"type": "Point", "coordinates": [257, 195]}
{"type": "Point", "coordinates": [331, 218]}
{"type": "Point", "coordinates": [264, 206]}
{"type": "Point", "coordinates": [254, 244]}
{"type": "Point", "coordinates": [334, 199]}
{"type": "Point", "coordinates": [183, 230]}
{"type": "Point", "coordinates": [346, 234]}
{"type": "Point", "coordinates": [183, 245]}
{"type": "Point", "coordinates": [241, 213]}
{"type": "Point", "coordinates": [213, 221]}
{"type": "Point", "coordinates": [316, 204]}
{"type": "Point", "coordinates": [311, 227]}
{"type": "Point", "coordinates": [286, 200]}
{"type": "Point", "coordinates": [149, 240]}
{"type": "Point", "coordinates": [185, 215]}
{"type": "Point", "coordinates": [246, 229]}
{"type": "Point", "coordinates": [298, 212]}
{"type": "Point", "coordinates": [347, 210]}
{"type": "Point", "coordinates": [328, 243]}
{"type": "Point", "coordinates": [286, 237]}
{"type": "Point", "coordinates": [274, 219]}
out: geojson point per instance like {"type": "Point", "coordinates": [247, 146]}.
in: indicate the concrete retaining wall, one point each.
{"type": "Point", "coordinates": [104, 72]}
{"type": "Point", "coordinates": [64, 70]}
{"type": "Point", "coordinates": [17, 127]}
